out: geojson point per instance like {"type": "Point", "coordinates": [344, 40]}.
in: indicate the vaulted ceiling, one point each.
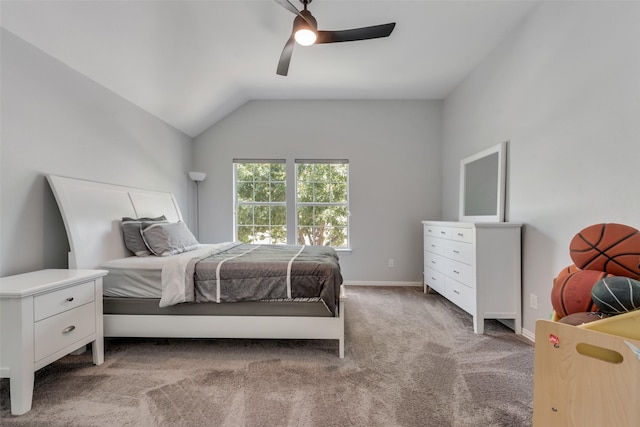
{"type": "Point", "coordinates": [191, 63]}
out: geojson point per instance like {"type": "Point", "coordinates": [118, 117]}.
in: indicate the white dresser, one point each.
{"type": "Point", "coordinates": [476, 266]}
{"type": "Point", "coordinates": [46, 315]}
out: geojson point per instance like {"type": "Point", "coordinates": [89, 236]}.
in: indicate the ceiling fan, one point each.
{"type": "Point", "coordinates": [305, 32]}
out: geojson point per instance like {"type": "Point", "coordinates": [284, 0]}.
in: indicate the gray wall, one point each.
{"type": "Point", "coordinates": [565, 90]}
{"type": "Point", "coordinates": [394, 152]}
{"type": "Point", "coordinates": [55, 120]}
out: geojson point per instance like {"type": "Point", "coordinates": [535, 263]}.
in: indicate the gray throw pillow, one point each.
{"type": "Point", "coordinates": [164, 239]}
{"type": "Point", "coordinates": [132, 233]}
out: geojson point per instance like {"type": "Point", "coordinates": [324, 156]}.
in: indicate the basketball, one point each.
{"type": "Point", "coordinates": [616, 295]}
{"type": "Point", "coordinates": [572, 294]}
{"type": "Point", "coordinates": [612, 248]}
{"type": "Point", "coordinates": [576, 319]}
{"type": "Point", "coordinates": [565, 272]}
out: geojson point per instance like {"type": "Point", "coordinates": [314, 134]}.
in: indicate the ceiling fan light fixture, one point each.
{"type": "Point", "coordinates": [305, 37]}
{"type": "Point", "coordinates": [305, 29]}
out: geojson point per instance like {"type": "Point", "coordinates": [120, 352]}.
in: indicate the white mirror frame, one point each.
{"type": "Point", "coordinates": [501, 149]}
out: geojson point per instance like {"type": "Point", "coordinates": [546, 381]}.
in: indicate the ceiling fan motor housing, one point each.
{"type": "Point", "coordinates": [305, 21]}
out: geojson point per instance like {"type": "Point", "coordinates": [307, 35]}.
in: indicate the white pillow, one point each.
{"type": "Point", "coordinates": [164, 239]}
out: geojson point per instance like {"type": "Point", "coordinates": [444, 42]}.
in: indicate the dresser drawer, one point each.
{"type": "Point", "coordinates": [52, 303]}
{"type": "Point", "coordinates": [57, 332]}
{"type": "Point", "coordinates": [461, 295]}
{"type": "Point", "coordinates": [435, 280]}
{"type": "Point", "coordinates": [443, 232]}
{"type": "Point", "coordinates": [434, 245]}
{"type": "Point", "coordinates": [431, 230]}
{"type": "Point", "coordinates": [436, 262]}
{"type": "Point", "coordinates": [461, 234]}
{"type": "Point", "coordinates": [459, 251]}
{"type": "Point", "coordinates": [461, 272]}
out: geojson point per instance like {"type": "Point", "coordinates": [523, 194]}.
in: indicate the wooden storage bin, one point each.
{"type": "Point", "coordinates": [587, 375]}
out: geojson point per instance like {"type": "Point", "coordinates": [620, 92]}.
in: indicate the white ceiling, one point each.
{"type": "Point", "coordinates": [191, 63]}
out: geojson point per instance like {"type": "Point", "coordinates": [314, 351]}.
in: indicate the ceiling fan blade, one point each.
{"type": "Point", "coordinates": [285, 57]}
{"type": "Point", "coordinates": [364, 33]}
{"type": "Point", "coordinates": [291, 8]}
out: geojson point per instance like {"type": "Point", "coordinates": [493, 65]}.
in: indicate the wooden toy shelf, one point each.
{"type": "Point", "coordinates": [588, 374]}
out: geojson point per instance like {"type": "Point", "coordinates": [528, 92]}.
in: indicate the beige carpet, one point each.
{"type": "Point", "coordinates": [411, 360]}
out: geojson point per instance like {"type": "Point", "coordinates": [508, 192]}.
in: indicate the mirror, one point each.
{"type": "Point", "coordinates": [482, 185]}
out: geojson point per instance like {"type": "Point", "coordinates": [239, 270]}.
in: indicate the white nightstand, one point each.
{"type": "Point", "coordinates": [46, 315]}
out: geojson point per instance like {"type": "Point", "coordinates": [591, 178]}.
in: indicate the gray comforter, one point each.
{"type": "Point", "coordinates": [262, 272]}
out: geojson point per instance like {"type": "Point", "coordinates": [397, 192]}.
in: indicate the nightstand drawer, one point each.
{"type": "Point", "coordinates": [52, 303]}
{"type": "Point", "coordinates": [57, 332]}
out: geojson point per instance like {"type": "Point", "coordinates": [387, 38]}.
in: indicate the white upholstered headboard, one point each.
{"type": "Point", "coordinates": [92, 212]}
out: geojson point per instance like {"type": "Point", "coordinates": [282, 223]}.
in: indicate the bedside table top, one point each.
{"type": "Point", "coordinates": [22, 285]}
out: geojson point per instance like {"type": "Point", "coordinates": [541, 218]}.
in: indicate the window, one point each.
{"type": "Point", "coordinates": [322, 203]}
{"type": "Point", "coordinates": [260, 201]}
{"type": "Point", "coordinates": [319, 215]}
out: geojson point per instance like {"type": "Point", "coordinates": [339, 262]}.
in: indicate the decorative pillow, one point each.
{"type": "Point", "coordinates": [164, 239]}
{"type": "Point", "coordinates": [132, 233]}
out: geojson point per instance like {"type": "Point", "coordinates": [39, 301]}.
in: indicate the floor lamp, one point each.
{"type": "Point", "coordinates": [197, 177]}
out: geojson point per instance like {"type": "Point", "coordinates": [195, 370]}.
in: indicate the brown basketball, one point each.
{"type": "Point", "coordinates": [582, 318]}
{"type": "Point", "coordinates": [572, 294]}
{"type": "Point", "coordinates": [613, 248]}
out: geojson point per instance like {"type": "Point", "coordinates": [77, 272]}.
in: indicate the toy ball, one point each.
{"type": "Point", "coordinates": [616, 295]}
{"type": "Point", "coordinates": [573, 293]}
{"type": "Point", "coordinates": [612, 248]}
{"type": "Point", "coordinates": [576, 319]}
{"type": "Point", "coordinates": [565, 272]}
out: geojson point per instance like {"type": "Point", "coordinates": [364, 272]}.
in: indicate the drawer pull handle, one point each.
{"type": "Point", "coordinates": [460, 235]}
{"type": "Point", "coordinates": [68, 329]}
{"type": "Point", "coordinates": [433, 262]}
{"type": "Point", "coordinates": [456, 252]}
{"type": "Point", "coordinates": [433, 278]}
{"type": "Point", "coordinates": [70, 299]}
{"type": "Point", "coordinates": [433, 246]}
{"type": "Point", "coordinates": [456, 292]}
{"type": "Point", "coordinates": [442, 232]}
{"type": "Point", "coordinates": [456, 271]}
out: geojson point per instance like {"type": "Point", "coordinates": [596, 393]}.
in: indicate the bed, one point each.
{"type": "Point", "coordinates": [205, 306]}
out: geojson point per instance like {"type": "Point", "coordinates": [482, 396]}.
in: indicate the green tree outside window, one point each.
{"type": "Point", "coordinates": [260, 206]}
{"type": "Point", "coordinates": [321, 203]}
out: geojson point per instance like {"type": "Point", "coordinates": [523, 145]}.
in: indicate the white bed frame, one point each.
{"type": "Point", "coordinates": [92, 212]}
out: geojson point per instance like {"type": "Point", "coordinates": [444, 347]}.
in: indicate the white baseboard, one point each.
{"type": "Point", "coordinates": [380, 283]}
{"type": "Point", "coordinates": [531, 336]}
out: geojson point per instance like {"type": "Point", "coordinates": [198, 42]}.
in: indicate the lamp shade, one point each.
{"type": "Point", "coordinates": [197, 176]}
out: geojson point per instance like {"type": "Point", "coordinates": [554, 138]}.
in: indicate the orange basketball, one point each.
{"type": "Point", "coordinates": [572, 294]}
{"type": "Point", "coordinates": [565, 272]}
{"type": "Point", "coordinates": [613, 248]}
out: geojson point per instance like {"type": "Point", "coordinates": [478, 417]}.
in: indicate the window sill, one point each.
{"type": "Point", "coordinates": [347, 250]}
